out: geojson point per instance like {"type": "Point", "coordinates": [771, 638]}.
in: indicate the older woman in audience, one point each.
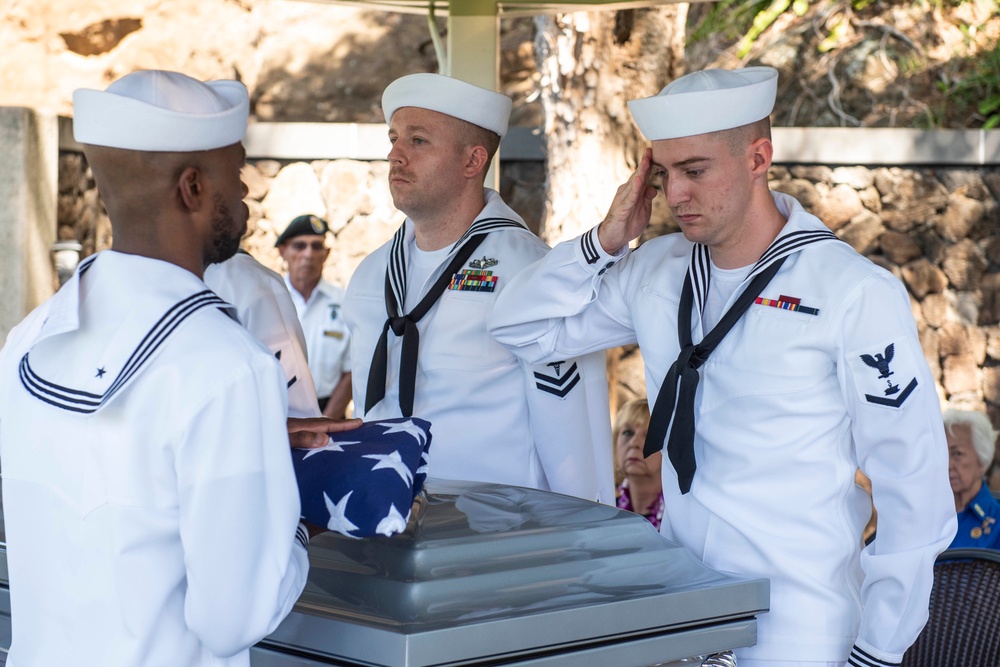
{"type": "Point", "coordinates": [971, 445]}
{"type": "Point", "coordinates": [640, 487]}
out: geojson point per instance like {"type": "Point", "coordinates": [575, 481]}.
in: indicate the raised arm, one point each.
{"type": "Point", "coordinates": [630, 210]}
{"type": "Point", "coordinates": [574, 300]}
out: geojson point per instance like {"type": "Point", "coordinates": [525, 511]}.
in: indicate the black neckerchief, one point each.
{"type": "Point", "coordinates": [675, 405]}
{"type": "Point", "coordinates": [406, 325]}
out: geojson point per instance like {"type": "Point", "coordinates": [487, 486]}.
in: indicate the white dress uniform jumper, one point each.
{"type": "Point", "coordinates": [495, 418]}
{"type": "Point", "coordinates": [327, 336]}
{"type": "Point", "coordinates": [148, 492]}
{"type": "Point", "coordinates": [264, 306]}
{"type": "Point", "coordinates": [789, 387]}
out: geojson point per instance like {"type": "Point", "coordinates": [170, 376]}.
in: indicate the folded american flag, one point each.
{"type": "Point", "coordinates": [363, 482]}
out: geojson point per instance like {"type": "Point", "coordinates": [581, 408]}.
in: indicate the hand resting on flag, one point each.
{"type": "Point", "coordinates": [363, 482]}
{"type": "Point", "coordinates": [308, 432]}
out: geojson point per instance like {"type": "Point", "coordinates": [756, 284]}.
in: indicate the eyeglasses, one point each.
{"type": "Point", "coordinates": [299, 246]}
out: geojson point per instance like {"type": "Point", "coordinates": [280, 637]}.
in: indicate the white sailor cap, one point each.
{"type": "Point", "coordinates": [707, 101]}
{"type": "Point", "coordinates": [485, 108]}
{"type": "Point", "coordinates": [156, 110]}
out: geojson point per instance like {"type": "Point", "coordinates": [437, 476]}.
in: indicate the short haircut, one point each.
{"type": "Point", "coordinates": [738, 138]}
{"type": "Point", "coordinates": [984, 436]}
{"type": "Point", "coordinates": [473, 135]}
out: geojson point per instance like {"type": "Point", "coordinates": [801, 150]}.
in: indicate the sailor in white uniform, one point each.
{"type": "Point", "coordinates": [780, 361]}
{"type": "Point", "coordinates": [417, 308]}
{"type": "Point", "coordinates": [150, 507]}
{"type": "Point", "coordinates": [265, 308]}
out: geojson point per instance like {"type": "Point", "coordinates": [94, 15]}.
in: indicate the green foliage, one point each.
{"type": "Point", "coordinates": [761, 22]}
{"type": "Point", "coordinates": [750, 18]}
{"type": "Point", "coordinates": [731, 18]}
{"type": "Point", "coordinates": [978, 90]}
{"type": "Point", "coordinates": [969, 95]}
{"type": "Point", "coordinates": [837, 32]}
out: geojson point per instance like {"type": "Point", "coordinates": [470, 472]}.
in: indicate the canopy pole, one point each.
{"type": "Point", "coordinates": [474, 53]}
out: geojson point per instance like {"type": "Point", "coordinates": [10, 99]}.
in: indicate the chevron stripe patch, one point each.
{"type": "Point", "coordinates": [559, 384]}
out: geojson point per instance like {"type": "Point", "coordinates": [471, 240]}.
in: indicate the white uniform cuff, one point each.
{"type": "Point", "coordinates": [302, 535]}
{"type": "Point", "coordinates": [865, 657]}
{"type": "Point", "coordinates": [591, 254]}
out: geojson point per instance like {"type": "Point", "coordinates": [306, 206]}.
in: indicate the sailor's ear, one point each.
{"type": "Point", "coordinates": [191, 188]}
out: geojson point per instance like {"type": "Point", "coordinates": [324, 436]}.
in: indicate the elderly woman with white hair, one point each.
{"type": "Point", "coordinates": [971, 445]}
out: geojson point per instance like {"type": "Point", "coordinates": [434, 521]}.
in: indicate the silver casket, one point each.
{"type": "Point", "coordinates": [492, 575]}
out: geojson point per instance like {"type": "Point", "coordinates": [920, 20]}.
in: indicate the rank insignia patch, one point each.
{"type": "Point", "coordinates": [559, 384]}
{"type": "Point", "coordinates": [787, 303]}
{"type": "Point", "coordinates": [484, 263]}
{"type": "Point", "coordinates": [474, 281]}
{"type": "Point", "coordinates": [885, 376]}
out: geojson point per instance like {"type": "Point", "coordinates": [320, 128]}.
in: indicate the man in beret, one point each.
{"type": "Point", "coordinates": [780, 361]}
{"type": "Point", "coordinates": [150, 507]}
{"type": "Point", "coordinates": [319, 306]}
{"type": "Point", "coordinates": [417, 309]}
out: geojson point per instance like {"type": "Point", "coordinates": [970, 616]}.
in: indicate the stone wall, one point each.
{"type": "Point", "coordinates": [353, 196]}
{"type": "Point", "coordinates": [937, 230]}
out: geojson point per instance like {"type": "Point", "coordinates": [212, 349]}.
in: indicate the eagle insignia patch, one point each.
{"type": "Point", "coordinates": [885, 376]}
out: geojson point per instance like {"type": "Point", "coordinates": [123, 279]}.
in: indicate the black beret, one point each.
{"type": "Point", "coordinates": [301, 226]}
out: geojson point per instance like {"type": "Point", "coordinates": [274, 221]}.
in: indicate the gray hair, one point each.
{"type": "Point", "coordinates": [984, 437]}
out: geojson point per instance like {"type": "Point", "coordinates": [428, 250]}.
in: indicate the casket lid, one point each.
{"type": "Point", "coordinates": [489, 570]}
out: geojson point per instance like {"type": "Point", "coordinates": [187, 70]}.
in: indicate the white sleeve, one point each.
{"type": "Point", "coordinates": [266, 310]}
{"type": "Point", "coordinates": [570, 302]}
{"type": "Point", "coordinates": [286, 340]}
{"type": "Point", "coordinates": [280, 331]}
{"type": "Point", "coordinates": [239, 511]}
{"type": "Point", "coordinates": [901, 446]}
{"type": "Point", "coordinates": [571, 427]}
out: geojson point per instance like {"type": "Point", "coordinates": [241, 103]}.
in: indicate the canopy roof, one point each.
{"type": "Point", "coordinates": [496, 7]}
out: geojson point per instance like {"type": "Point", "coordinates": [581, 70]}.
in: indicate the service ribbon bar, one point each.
{"type": "Point", "coordinates": [473, 281]}
{"type": "Point", "coordinates": [786, 305]}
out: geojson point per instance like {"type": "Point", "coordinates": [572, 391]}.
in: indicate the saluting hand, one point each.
{"type": "Point", "coordinates": [630, 211]}
{"type": "Point", "coordinates": [310, 432]}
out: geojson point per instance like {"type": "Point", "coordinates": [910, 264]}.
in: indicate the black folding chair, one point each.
{"type": "Point", "coordinates": [964, 623]}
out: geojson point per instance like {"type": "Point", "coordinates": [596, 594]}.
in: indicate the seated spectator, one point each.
{"type": "Point", "coordinates": [971, 445]}
{"type": "Point", "coordinates": [640, 487]}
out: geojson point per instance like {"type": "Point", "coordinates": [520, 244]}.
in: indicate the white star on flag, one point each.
{"type": "Point", "coordinates": [391, 524]}
{"type": "Point", "coordinates": [393, 461]}
{"type": "Point", "coordinates": [331, 446]}
{"type": "Point", "coordinates": [338, 520]}
{"type": "Point", "coordinates": [407, 427]}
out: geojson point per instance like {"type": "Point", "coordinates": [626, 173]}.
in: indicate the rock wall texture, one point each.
{"type": "Point", "coordinates": [351, 195]}
{"type": "Point", "coordinates": [937, 230]}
